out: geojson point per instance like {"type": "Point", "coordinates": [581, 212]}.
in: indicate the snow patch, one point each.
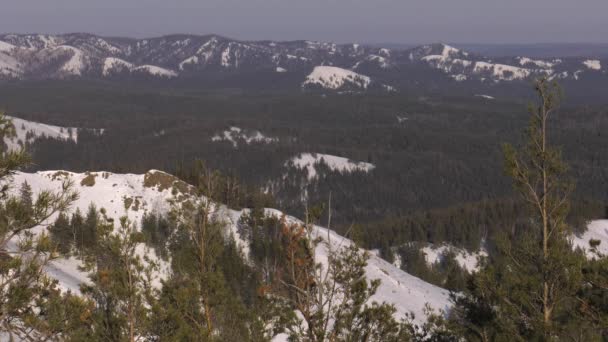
{"type": "Point", "coordinates": [329, 77]}
{"type": "Point", "coordinates": [236, 134]}
{"type": "Point", "coordinates": [523, 61]}
{"type": "Point", "coordinates": [593, 64]}
{"type": "Point", "coordinates": [596, 230]}
{"type": "Point", "coordinates": [309, 161]}
{"type": "Point", "coordinates": [465, 259]}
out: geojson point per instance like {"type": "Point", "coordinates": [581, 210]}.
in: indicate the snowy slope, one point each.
{"type": "Point", "coordinates": [155, 71]}
{"type": "Point", "coordinates": [29, 130]}
{"type": "Point", "coordinates": [596, 230]}
{"type": "Point", "coordinates": [328, 77]}
{"type": "Point", "coordinates": [77, 62]}
{"type": "Point", "coordinates": [309, 161]}
{"type": "Point", "coordinates": [133, 195]}
{"type": "Point", "coordinates": [113, 65]}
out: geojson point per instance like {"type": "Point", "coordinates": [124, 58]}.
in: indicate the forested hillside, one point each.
{"type": "Point", "coordinates": [434, 153]}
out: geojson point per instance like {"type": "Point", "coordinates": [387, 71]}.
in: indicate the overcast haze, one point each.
{"type": "Point", "coordinates": [369, 21]}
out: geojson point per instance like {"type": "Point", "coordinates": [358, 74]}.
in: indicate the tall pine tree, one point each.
{"type": "Point", "coordinates": [527, 289]}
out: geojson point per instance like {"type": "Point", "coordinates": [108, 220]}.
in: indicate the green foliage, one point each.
{"type": "Point", "coordinates": [527, 290]}
{"type": "Point", "coordinates": [334, 301]}
{"type": "Point", "coordinates": [446, 272]}
{"type": "Point", "coordinates": [24, 288]}
{"type": "Point", "coordinates": [121, 285]}
{"type": "Point", "coordinates": [61, 234]}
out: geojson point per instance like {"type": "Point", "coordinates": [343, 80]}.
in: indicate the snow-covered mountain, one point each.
{"type": "Point", "coordinates": [304, 63]}
{"type": "Point", "coordinates": [133, 195]}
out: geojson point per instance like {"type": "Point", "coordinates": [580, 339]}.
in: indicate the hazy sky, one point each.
{"type": "Point", "coordinates": [371, 21]}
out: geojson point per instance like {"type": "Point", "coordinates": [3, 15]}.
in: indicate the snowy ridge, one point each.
{"type": "Point", "coordinates": [461, 66]}
{"type": "Point", "coordinates": [156, 71]}
{"type": "Point", "coordinates": [523, 61]}
{"type": "Point", "coordinates": [236, 134]}
{"type": "Point", "coordinates": [28, 131]}
{"type": "Point", "coordinates": [309, 161]}
{"type": "Point", "coordinates": [133, 195]}
{"type": "Point", "coordinates": [334, 66]}
{"type": "Point", "coordinates": [113, 65]}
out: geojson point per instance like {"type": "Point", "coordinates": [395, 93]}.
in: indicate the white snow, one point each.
{"type": "Point", "coordinates": [236, 134]}
{"type": "Point", "coordinates": [406, 292]}
{"type": "Point", "coordinates": [459, 77]}
{"type": "Point", "coordinates": [330, 77]}
{"type": "Point", "coordinates": [76, 64]}
{"type": "Point", "coordinates": [226, 57]}
{"type": "Point", "coordinates": [35, 130]}
{"type": "Point", "coordinates": [156, 71]}
{"type": "Point", "coordinates": [110, 191]}
{"type": "Point", "coordinates": [6, 47]}
{"type": "Point", "coordinates": [107, 46]}
{"type": "Point", "coordinates": [451, 62]}
{"type": "Point", "coordinates": [447, 53]}
{"type": "Point", "coordinates": [68, 274]}
{"type": "Point", "coordinates": [188, 61]}
{"type": "Point", "coordinates": [9, 66]}
{"type": "Point", "coordinates": [593, 64]}
{"type": "Point", "coordinates": [487, 97]}
{"type": "Point", "coordinates": [402, 119]}
{"type": "Point", "coordinates": [502, 71]}
{"type": "Point", "coordinates": [596, 230]}
{"type": "Point", "coordinates": [465, 259]}
{"type": "Point", "coordinates": [281, 70]}
{"type": "Point", "coordinates": [309, 161]}
{"type": "Point", "coordinates": [523, 61]}
{"type": "Point", "coordinates": [112, 64]}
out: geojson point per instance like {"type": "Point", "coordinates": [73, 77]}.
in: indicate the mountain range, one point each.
{"type": "Point", "coordinates": [303, 65]}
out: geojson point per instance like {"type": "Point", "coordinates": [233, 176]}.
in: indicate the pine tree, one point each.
{"type": "Point", "coordinates": [88, 233]}
{"type": "Point", "coordinates": [25, 196]}
{"type": "Point", "coordinates": [61, 233]}
{"type": "Point", "coordinates": [24, 288]}
{"type": "Point", "coordinates": [121, 285]}
{"type": "Point", "coordinates": [76, 226]}
{"type": "Point", "coordinates": [333, 301]}
{"type": "Point", "coordinates": [527, 290]}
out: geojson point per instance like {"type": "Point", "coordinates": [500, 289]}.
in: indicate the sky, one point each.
{"type": "Point", "coordinates": [363, 21]}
